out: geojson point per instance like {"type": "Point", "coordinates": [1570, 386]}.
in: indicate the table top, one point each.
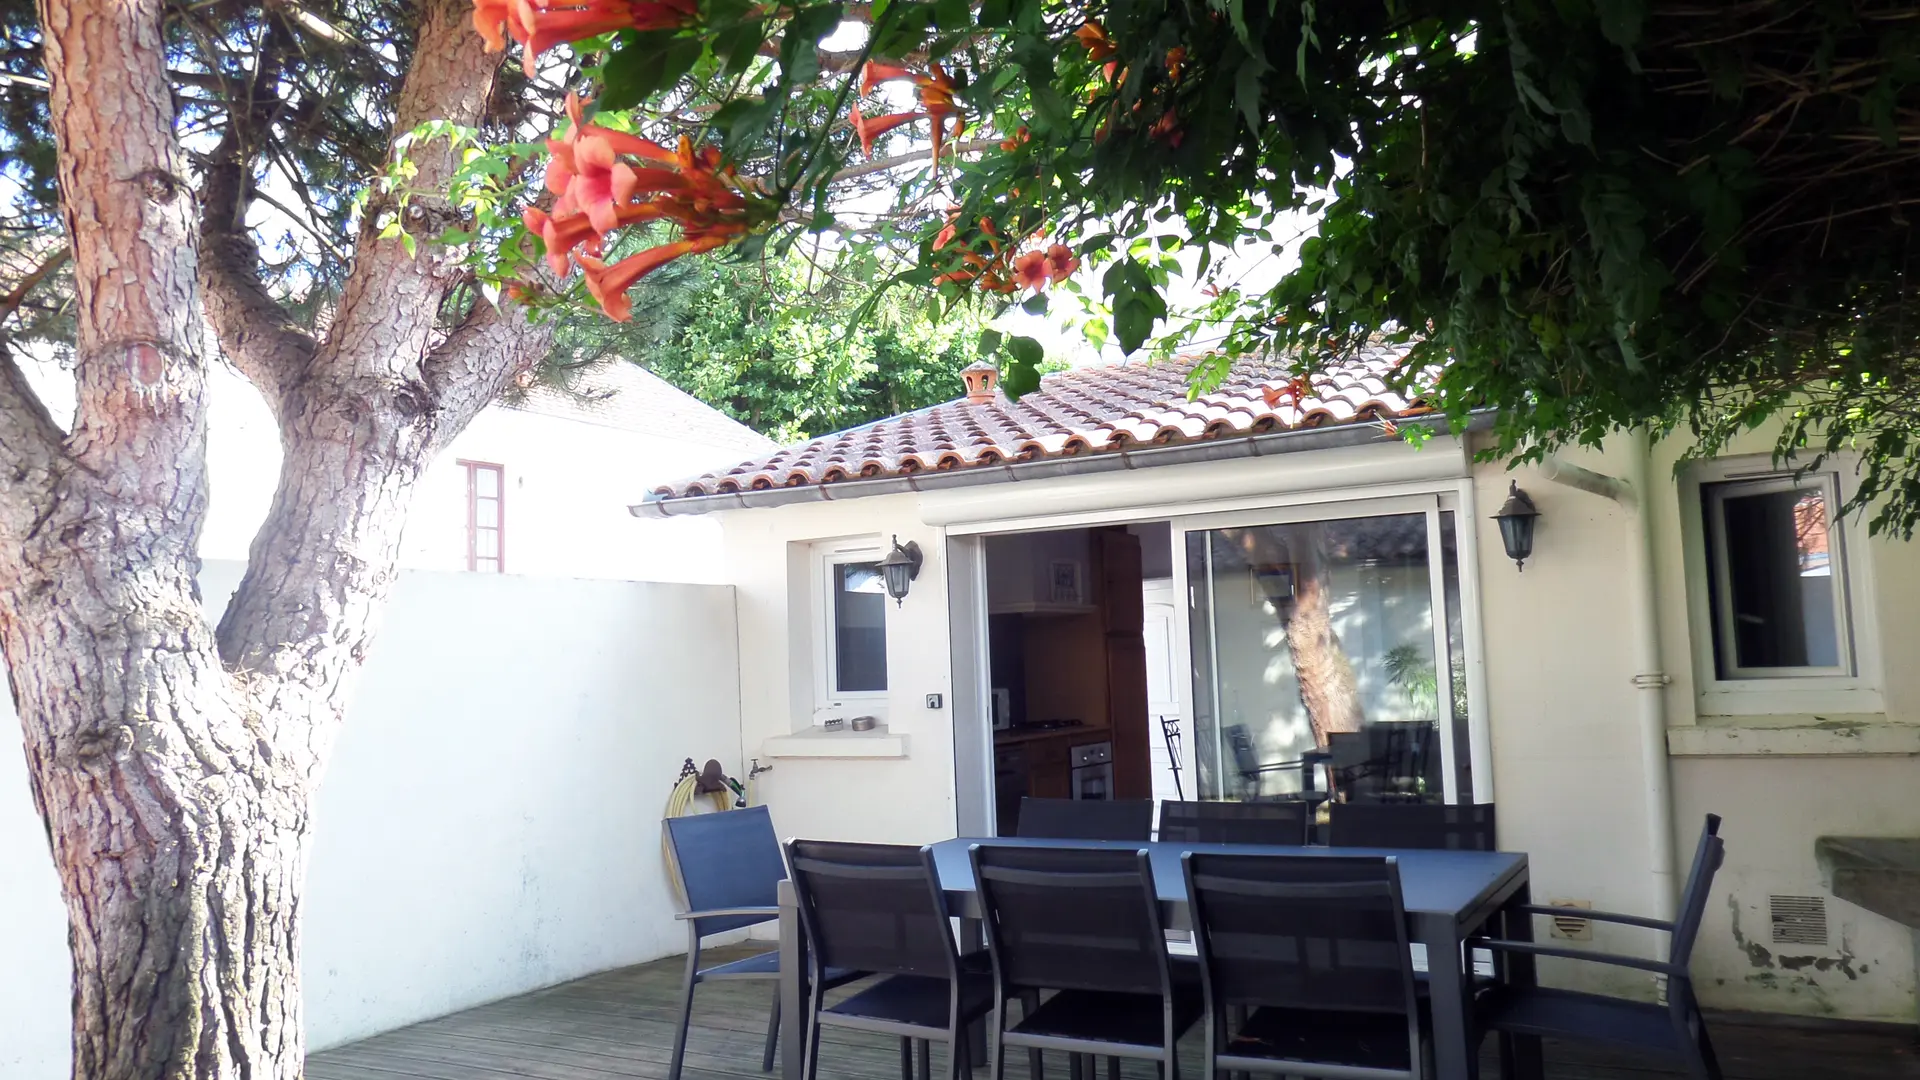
{"type": "Point", "coordinates": [1449, 884]}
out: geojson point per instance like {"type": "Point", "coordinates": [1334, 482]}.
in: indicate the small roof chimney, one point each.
{"type": "Point", "coordinates": [983, 381]}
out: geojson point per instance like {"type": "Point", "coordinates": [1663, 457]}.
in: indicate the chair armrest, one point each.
{"type": "Point", "coordinates": [1660, 967]}
{"type": "Point", "coordinates": [1597, 916]}
{"type": "Point", "coordinates": [729, 913]}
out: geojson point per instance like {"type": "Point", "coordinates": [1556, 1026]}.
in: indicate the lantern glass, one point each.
{"type": "Point", "coordinates": [900, 567]}
{"type": "Point", "coordinates": [1516, 518]}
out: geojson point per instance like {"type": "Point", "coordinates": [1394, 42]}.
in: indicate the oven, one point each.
{"type": "Point", "coordinates": [1092, 770]}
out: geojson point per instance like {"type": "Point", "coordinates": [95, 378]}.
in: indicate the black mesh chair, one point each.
{"type": "Point", "coordinates": [1253, 771]}
{"type": "Point", "coordinates": [879, 908]}
{"type": "Point", "coordinates": [1465, 827]}
{"type": "Point", "coordinates": [1674, 1031]}
{"type": "Point", "coordinates": [1087, 819]}
{"type": "Point", "coordinates": [729, 868]}
{"type": "Point", "coordinates": [1313, 950]}
{"type": "Point", "coordinates": [1389, 761]}
{"type": "Point", "coordinates": [1083, 924]}
{"type": "Point", "coordinates": [1280, 823]}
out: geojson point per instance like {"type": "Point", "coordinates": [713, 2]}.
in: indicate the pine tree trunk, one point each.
{"type": "Point", "coordinates": [1328, 687]}
{"type": "Point", "coordinates": [175, 766]}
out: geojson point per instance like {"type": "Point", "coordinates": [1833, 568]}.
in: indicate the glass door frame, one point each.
{"type": "Point", "coordinates": [1455, 496]}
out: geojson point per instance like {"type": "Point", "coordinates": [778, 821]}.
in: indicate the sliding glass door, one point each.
{"type": "Point", "coordinates": [1336, 628]}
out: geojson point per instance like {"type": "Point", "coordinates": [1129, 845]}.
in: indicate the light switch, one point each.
{"type": "Point", "coordinates": [936, 701]}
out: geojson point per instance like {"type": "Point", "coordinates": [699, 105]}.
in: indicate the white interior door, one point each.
{"type": "Point", "coordinates": [1161, 607]}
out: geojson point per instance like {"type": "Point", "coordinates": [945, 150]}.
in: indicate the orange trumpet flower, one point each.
{"type": "Point", "coordinates": [1061, 262]}
{"type": "Point", "coordinates": [490, 17]}
{"type": "Point", "coordinates": [539, 25]}
{"type": "Point", "coordinates": [935, 88]}
{"type": "Point", "coordinates": [869, 129]}
{"type": "Point", "coordinates": [1031, 271]}
{"type": "Point", "coordinates": [609, 284]}
{"type": "Point", "coordinates": [1093, 37]}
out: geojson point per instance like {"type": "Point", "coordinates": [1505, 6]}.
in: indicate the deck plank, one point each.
{"type": "Point", "coordinates": [618, 1025]}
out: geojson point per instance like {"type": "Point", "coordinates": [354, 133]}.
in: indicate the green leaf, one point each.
{"type": "Point", "coordinates": [644, 65]}
{"type": "Point", "coordinates": [800, 45]}
{"type": "Point", "coordinates": [1020, 371]}
{"type": "Point", "coordinates": [1035, 304]}
{"type": "Point", "coordinates": [990, 340]}
{"type": "Point", "coordinates": [952, 14]}
{"type": "Point", "coordinates": [1246, 91]}
{"type": "Point", "coordinates": [736, 48]}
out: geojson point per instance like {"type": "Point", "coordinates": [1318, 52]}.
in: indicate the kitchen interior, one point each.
{"type": "Point", "coordinates": [1070, 647]}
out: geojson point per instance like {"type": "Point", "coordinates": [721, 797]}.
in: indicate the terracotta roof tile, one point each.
{"type": "Point", "coordinates": [1086, 410]}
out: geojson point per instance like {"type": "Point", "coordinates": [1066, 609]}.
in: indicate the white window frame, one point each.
{"type": "Point", "coordinates": [1852, 687]}
{"type": "Point", "coordinates": [827, 558]}
{"type": "Point", "coordinates": [1429, 499]}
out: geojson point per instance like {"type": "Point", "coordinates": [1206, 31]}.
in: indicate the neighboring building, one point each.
{"type": "Point", "coordinates": [534, 485]}
{"type": "Point", "coordinates": [1274, 573]}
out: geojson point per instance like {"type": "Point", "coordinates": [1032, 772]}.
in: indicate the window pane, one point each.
{"type": "Point", "coordinates": [486, 543]}
{"type": "Point", "coordinates": [486, 481]}
{"type": "Point", "coordinates": [487, 566]}
{"type": "Point", "coordinates": [1779, 579]}
{"type": "Point", "coordinates": [486, 513]}
{"type": "Point", "coordinates": [1320, 634]}
{"type": "Point", "coordinates": [859, 628]}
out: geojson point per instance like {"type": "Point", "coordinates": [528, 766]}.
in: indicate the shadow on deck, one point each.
{"type": "Point", "coordinates": [619, 1024]}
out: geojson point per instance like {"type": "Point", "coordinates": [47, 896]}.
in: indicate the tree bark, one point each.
{"type": "Point", "coordinates": [1328, 688]}
{"type": "Point", "coordinates": [175, 766]}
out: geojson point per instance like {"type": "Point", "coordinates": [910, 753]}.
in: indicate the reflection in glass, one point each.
{"type": "Point", "coordinates": [1318, 634]}
{"type": "Point", "coordinates": [1776, 575]}
{"type": "Point", "coordinates": [859, 628]}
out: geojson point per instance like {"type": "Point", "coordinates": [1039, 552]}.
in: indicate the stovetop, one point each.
{"type": "Point", "coordinates": [1048, 725]}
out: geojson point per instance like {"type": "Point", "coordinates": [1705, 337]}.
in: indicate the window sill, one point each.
{"type": "Point", "coordinates": [878, 743]}
{"type": "Point", "coordinates": [1815, 737]}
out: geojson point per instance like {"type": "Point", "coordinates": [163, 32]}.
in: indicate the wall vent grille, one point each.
{"type": "Point", "coordinates": [1799, 920]}
{"type": "Point", "coordinates": [1571, 927]}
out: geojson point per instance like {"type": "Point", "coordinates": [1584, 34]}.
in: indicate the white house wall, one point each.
{"type": "Point", "coordinates": [1569, 777]}
{"type": "Point", "coordinates": [568, 485]}
{"type": "Point", "coordinates": [1568, 769]}
{"type": "Point", "coordinates": [902, 799]}
{"type": "Point", "coordinates": [490, 821]}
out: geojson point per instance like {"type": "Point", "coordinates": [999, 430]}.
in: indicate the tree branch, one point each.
{"type": "Point", "coordinates": [30, 440]}
{"type": "Point", "coordinates": [852, 172]}
{"type": "Point", "coordinates": [478, 361]}
{"type": "Point", "coordinates": [252, 328]}
{"type": "Point", "coordinates": [32, 281]}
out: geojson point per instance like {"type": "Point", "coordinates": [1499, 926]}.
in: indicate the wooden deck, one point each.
{"type": "Point", "coordinates": [619, 1025]}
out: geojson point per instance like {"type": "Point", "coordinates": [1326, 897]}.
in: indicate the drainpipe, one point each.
{"type": "Point", "coordinates": [1649, 680]}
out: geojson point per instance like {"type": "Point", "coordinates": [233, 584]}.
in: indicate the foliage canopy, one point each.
{"type": "Point", "coordinates": [787, 348]}
{"type": "Point", "coordinates": [1598, 213]}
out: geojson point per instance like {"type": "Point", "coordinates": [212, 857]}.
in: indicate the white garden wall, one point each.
{"type": "Point", "coordinates": [490, 823]}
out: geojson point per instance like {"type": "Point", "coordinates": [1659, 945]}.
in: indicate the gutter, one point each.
{"type": "Point", "coordinates": [1649, 680]}
{"type": "Point", "coordinates": [1291, 441]}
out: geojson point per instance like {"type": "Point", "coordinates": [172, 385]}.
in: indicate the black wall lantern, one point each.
{"type": "Point", "coordinates": [1516, 518]}
{"type": "Point", "coordinates": [901, 566]}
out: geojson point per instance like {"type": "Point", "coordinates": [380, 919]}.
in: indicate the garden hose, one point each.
{"type": "Point", "coordinates": [726, 794]}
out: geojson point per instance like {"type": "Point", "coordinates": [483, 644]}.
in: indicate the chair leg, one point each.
{"type": "Point", "coordinates": [906, 1058]}
{"type": "Point", "coordinates": [810, 1067]}
{"type": "Point", "coordinates": [773, 1032]}
{"type": "Point", "coordinates": [1076, 1068]}
{"type": "Point", "coordinates": [1036, 1063]}
{"type": "Point", "coordinates": [687, 984]}
{"type": "Point", "coordinates": [1707, 1063]}
{"type": "Point", "coordinates": [926, 1060]}
{"type": "Point", "coordinates": [1113, 1068]}
{"type": "Point", "coordinates": [959, 1054]}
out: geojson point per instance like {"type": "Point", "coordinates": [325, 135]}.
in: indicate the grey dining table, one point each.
{"type": "Point", "coordinates": [1449, 896]}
